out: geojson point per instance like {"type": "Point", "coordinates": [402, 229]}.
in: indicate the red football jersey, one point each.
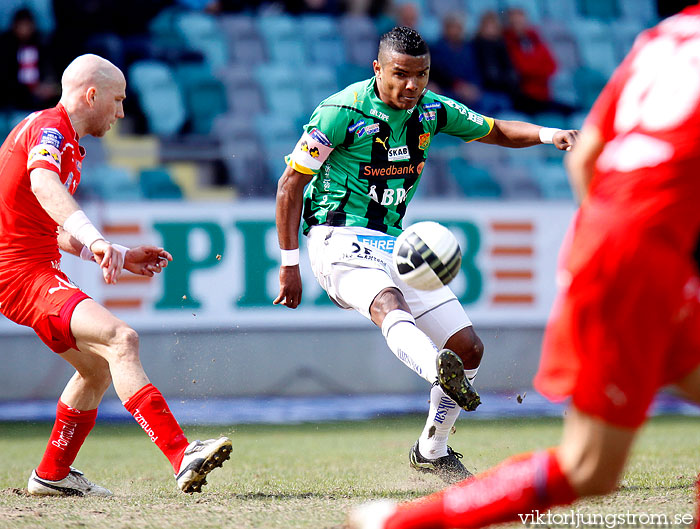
{"type": "Point", "coordinates": [44, 140]}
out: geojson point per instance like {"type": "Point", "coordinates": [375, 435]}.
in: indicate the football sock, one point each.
{"type": "Point", "coordinates": [517, 486]}
{"type": "Point", "coordinates": [442, 415]}
{"type": "Point", "coordinates": [151, 411]}
{"type": "Point", "coordinates": [471, 374]}
{"type": "Point", "coordinates": [69, 432]}
{"type": "Point", "coordinates": [410, 344]}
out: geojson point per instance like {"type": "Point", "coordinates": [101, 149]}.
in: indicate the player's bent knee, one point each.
{"type": "Point", "coordinates": [593, 483]}
{"type": "Point", "coordinates": [125, 341]}
{"type": "Point", "coordinates": [468, 346]}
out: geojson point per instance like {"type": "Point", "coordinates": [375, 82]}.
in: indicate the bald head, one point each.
{"type": "Point", "coordinates": [89, 70]}
{"type": "Point", "coordinates": [93, 91]}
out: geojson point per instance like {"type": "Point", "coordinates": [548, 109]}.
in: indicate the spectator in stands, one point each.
{"type": "Point", "coordinates": [498, 75]}
{"type": "Point", "coordinates": [534, 64]}
{"type": "Point", "coordinates": [455, 70]}
{"type": "Point", "coordinates": [28, 82]}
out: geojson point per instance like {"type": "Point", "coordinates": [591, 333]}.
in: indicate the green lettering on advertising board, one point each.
{"type": "Point", "coordinates": [176, 277]}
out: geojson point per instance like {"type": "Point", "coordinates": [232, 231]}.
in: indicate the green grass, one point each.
{"type": "Point", "coordinates": [308, 476]}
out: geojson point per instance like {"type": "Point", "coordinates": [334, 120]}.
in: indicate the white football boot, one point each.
{"type": "Point", "coordinates": [371, 515]}
{"type": "Point", "coordinates": [74, 484]}
{"type": "Point", "coordinates": [201, 457]}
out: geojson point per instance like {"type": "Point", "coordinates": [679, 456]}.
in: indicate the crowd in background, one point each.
{"type": "Point", "coordinates": [496, 61]}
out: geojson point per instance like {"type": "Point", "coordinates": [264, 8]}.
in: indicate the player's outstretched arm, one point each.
{"type": "Point", "coordinates": [521, 134]}
{"type": "Point", "coordinates": [146, 260]}
{"type": "Point", "coordinates": [290, 195]}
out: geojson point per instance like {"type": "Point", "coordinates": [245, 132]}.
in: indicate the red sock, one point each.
{"type": "Point", "coordinates": [69, 432]}
{"type": "Point", "coordinates": [151, 411]}
{"type": "Point", "coordinates": [518, 486]}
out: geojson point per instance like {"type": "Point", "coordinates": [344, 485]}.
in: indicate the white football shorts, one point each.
{"type": "Point", "coordinates": [353, 265]}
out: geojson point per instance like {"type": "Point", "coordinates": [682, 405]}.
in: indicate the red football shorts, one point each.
{"type": "Point", "coordinates": [43, 298]}
{"type": "Point", "coordinates": [627, 325]}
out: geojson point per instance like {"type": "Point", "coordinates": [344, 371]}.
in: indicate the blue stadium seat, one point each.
{"type": "Point", "coordinates": [247, 168]}
{"type": "Point", "coordinates": [41, 9]}
{"type": "Point", "coordinates": [361, 39]}
{"type": "Point", "coordinates": [444, 8]}
{"type": "Point", "coordinates": [238, 27]}
{"type": "Point", "coordinates": [248, 51]}
{"type": "Point", "coordinates": [599, 9]}
{"type": "Point", "coordinates": [272, 127]}
{"type": "Point", "coordinates": [561, 10]}
{"type": "Point", "coordinates": [624, 33]}
{"type": "Point", "coordinates": [245, 101]}
{"type": "Point", "coordinates": [473, 181]}
{"type": "Point", "coordinates": [534, 10]}
{"type": "Point", "coordinates": [288, 51]}
{"type": "Point", "coordinates": [563, 87]}
{"type": "Point", "coordinates": [282, 90]}
{"type": "Point", "coordinates": [159, 95]}
{"type": "Point", "coordinates": [204, 95]}
{"type": "Point", "coordinates": [595, 44]}
{"type": "Point", "coordinates": [156, 184]}
{"type": "Point", "coordinates": [319, 82]}
{"type": "Point", "coordinates": [552, 180]}
{"type": "Point", "coordinates": [515, 181]}
{"type": "Point", "coordinates": [322, 40]}
{"type": "Point", "coordinates": [113, 183]}
{"type": "Point", "coordinates": [643, 11]}
{"type": "Point", "coordinates": [277, 27]}
{"type": "Point", "coordinates": [202, 33]}
{"type": "Point", "coordinates": [562, 44]}
{"type": "Point", "coordinates": [478, 153]}
{"type": "Point", "coordinates": [589, 83]}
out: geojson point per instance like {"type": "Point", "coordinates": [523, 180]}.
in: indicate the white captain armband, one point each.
{"type": "Point", "coordinates": [311, 150]}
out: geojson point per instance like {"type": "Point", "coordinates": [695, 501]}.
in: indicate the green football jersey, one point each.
{"type": "Point", "coordinates": [374, 154]}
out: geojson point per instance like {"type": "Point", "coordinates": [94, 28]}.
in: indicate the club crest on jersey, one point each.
{"type": "Point", "coordinates": [51, 136]}
{"type": "Point", "coordinates": [399, 154]}
{"type": "Point", "coordinates": [432, 106]}
{"type": "Point", "coordinates": [424, 141]}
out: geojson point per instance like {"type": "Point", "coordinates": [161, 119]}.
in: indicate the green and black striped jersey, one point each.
{"type": "Point", "coordinates": [367, 157]}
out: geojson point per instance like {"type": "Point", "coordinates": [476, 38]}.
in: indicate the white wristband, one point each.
{"type": "Point", "coordinates": [86, 254]}
{"type": "Point", "coordinates": [289, 257]}
{"type": "Point", "coordinates": [80, 227]}
{"type": "Point", "coordinates": [121, 249]}
{"type": "Point", "coordinates": [547, 134]}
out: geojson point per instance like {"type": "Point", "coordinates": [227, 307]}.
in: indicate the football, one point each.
{"type": "Point", "coordinates": [426, 256]}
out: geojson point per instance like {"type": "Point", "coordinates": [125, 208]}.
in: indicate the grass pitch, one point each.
{"type": "Point", "coordinates": [308, 476]}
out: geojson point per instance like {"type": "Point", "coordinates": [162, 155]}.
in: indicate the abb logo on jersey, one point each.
{"type": "Point", "coordinates": [390, 197]}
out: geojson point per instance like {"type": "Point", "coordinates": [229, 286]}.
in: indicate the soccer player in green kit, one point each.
{"type": "Point", "coordinates": [361, 156]}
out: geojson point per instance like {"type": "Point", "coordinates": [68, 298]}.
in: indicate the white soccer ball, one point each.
{"type": "Point", "coordinates": [427, 256]}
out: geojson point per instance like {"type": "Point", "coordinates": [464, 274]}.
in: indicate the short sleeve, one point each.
{"type": "Point", "coordinates": [324, 131]}
{"type": "Point", "coordinates": [44, 147]}
{"type": "Point", "coordinates": [458, 120]}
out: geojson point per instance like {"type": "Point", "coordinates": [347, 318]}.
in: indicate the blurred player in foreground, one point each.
{"type": "Point", "coordinates": [40, 164]}
{"type": "Point", "coordinates": [362, 154]}
{"type": "Point", "coordinates": [627, 320]}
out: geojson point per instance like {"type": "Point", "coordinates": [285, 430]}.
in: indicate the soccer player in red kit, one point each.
{"type": "Point", "coordinates": [627, 319]}
{"type": "Point", "coordinates": [40, 163]}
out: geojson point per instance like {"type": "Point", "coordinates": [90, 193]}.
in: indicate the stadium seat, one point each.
{"type": "Point", "coordinates": [473, 181]}
{"type": "Point", "coordinates": [272, 127]}
{"type": "Point", "coordinates": [595, 45]}
{"type": "Point", "coordinates": [599, 9]}
{"type": "Point", "coordinates": [159, 95]}
{"type": "Point", "coordinates": [624, 33]}
{"type": "Point", "coordinates": [156, 184]}
{"type": "Point", "coordinates": [247, 51]}
{"type": "Point", "coordinates": [113, 183]}
{"type": "Point", "coordinates": [275, 151]}
{"type": "Point", "coordinates": [204, 95]}
{"type": "Point", "coordinates": [515, 181]}
{"type": "Point", "coordinates": [231, 128]}
{"type": "Point", "coordinates": [247, 168]}
{"type": "Point", "coordinates": [478, 153]}
{"type": "Point", "coordinates": [289, 51]}
{"type": "Point", "coordinates": [361, 39]}
{"type": "Point", "coordinates": [444, 8]}
{"type": "Point", "coordinates": [281, 88]}
{"type": "Point", "coordinates": [552, 181]}
{"type": "Point", "coordinates": [41, 9]}
{"type": "Point", "coordinates": [277, 27]}
{"type": "Point", "coordinates": [562, 44]}
{"type": "Point", "coordinates": [201, 32]}
{"type": "Point", "coordinates": [238, 27]}
{"type": "Point", "coordinates": [245, 101]}
{"type": "Point", "coordinates": [643, 11]}
{"type": "Point", "coordinates": [561, 10]}
{"type": "Point", "coordinates": [319, 82]}
{"type": "Point", "coordinates": [563, 88]}
{"type": "Point", "coordinates": [589, 83]}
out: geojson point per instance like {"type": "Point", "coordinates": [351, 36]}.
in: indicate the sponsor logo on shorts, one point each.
{"type": "Point", "coordinates": [51, 136]}
{"type": "Point", "coordinates": [399, 154]}
{"type": "Point", "coordinates": [432, 106]}
{"type": "Point", "coordinates": [380, 242]}
{"type": "Point", "coordinates": [62, 285]}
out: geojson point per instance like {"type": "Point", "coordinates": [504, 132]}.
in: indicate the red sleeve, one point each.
{"type": "Point", "coordinates": [45, 141]}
